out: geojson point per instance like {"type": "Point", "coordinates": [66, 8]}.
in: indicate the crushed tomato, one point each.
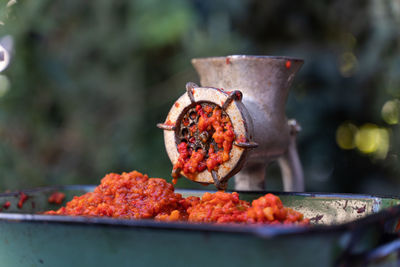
{"type": "Point", "coordinates": [211, 122]}
{"type": "Point", "coordinates": [134, 195]}
{"type": "Point", "coordinates": [22, 199]}
{"type": "Point", "coordinates": [56, 198]}
{"type": "Point", "coordinates": [7, 205]}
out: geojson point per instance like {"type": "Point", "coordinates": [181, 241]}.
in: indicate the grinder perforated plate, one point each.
{"type": "Point", "coordinates": [231, 105]}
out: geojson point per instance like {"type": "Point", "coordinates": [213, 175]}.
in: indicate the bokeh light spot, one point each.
{"type": "Point", "coordinates": [383, 146]}
{"type": "Point", "coordinates": [391, 112]}
{"type": "Point", "coordinates": [4, 58]}
{"type": "Point", "coordinates": [345, 135]}
{"type": "Point", "coordinates": [367, 138]}
{"type": "Point", "coordinates": [370, 139]}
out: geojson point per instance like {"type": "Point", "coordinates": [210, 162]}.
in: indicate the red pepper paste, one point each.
{"type": "Point", "coordinates": [223, 207]}
{"type": "Point", "coordinates": [219, 207]}
{"type": "Point", "coordinates": [129, 195]}
{"type": "Point", "coordinates": [134, 195]}
{"type": "Point", "coordinates": [7, 205]}
{"type": "Point", "coordinates": [211, 123]}
{"type": "Point", "coordinates": [269, 209]}
{"type": "Point", "coordinates": [397, 228]}
{"type": "Point", "coordinates": [56, 198]}
{"type": "Point", "coordinates": [22, 199]}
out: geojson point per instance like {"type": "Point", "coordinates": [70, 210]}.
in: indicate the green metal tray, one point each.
{"type": "Point", "coordinates": [347, 230]}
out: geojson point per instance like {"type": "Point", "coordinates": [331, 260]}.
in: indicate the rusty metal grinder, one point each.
{"type": "Point", "coordinates": [251, 91]}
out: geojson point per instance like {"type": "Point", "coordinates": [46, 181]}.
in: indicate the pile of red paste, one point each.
{"type": "Point", "coordinates": [134, 195]}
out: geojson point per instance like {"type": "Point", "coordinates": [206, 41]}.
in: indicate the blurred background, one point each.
{"type": "Point", "coordinates": [89, 80]}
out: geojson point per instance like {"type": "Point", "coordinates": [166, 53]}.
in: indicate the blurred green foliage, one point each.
{"type": "Point", "coordinates": [89, 80]}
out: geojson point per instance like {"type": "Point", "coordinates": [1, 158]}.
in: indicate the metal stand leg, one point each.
{"type": "Point", "coordinates": [251, 178]}
{"type": "Point", "coordinates": [291, 169]}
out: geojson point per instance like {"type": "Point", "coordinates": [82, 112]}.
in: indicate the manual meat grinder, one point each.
{"type": "Point", "coordinates": [252, 91]}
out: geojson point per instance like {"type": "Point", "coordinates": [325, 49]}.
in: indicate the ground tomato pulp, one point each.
{"type": "Point", "coordinates": [212, 129]}
{"type": "Point", "coordinates": [134, 195]}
